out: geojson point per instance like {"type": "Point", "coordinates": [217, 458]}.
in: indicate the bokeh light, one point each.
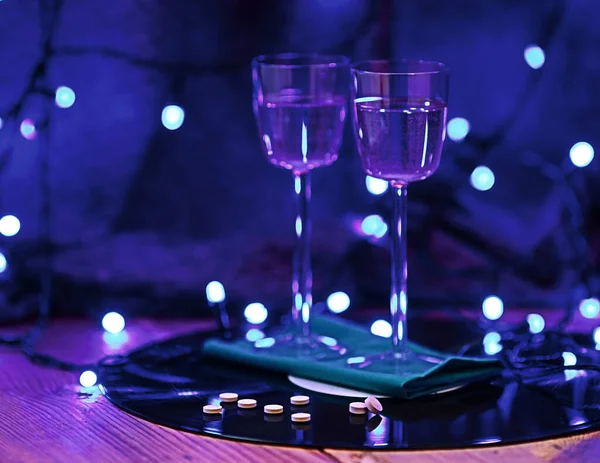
{"type": "Point", "coordinates": [256, 313]}
{"type": "Point", "coordinates": [492, 307]}
{"type": "Point", "coordinates": [376, 186]}
{"type": "Point", "coordinates": [9, 225]}
{"type": "Point", "coordinates": [254, 335]}
{"type": "Point", "coordinates": [113, 322]}
{"type": "Point", "coordinates": [65, 97]}
{"type": "Point", "coordinates": [381, 328]}
{"type": "Point", "coordinates": [173, 117]}
{"type": "Point", "coordinates": [534, 56]}
{"type": "Point", "coordinates": [338, 302]}
{"type": "Point", "coordinates": [374, 225]}
{"type": "Point", "coordinates": [482, 178]}
{"type": "Point", "coordinates": [215, 292]}
{"type": "Point", "coordinates": [596, 335]}
{"type": "Point", "coordinates": [581, 154]}
{"type": "Point", "coordinates": [569, 359]}
{"type": "Point", "coordinates": [458, 128]}
{"type": "Point", "coordinates": [536, 323]}
{"type": "Point", "coordinates": [3, 263]}
{"type": "Point", "coordinates": [28, 129]}
{"type": "Point", "coordinates": [590, 308]}
{"type": "Point", "coordinates": [88, 378]}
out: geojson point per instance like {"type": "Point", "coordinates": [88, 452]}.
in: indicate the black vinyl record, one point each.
{"type": "Point", "coordinates": [169, 382]}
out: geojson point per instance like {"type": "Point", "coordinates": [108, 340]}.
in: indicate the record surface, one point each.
{"type": "Point", "coordinates": [169, 382]}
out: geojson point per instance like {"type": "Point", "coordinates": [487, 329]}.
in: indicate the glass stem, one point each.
{"type": "Point", "coordinates": [398, 234]}
{"type": "Point", "coordinates": [301, 270]}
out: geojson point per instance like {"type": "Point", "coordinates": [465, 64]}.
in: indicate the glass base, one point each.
{"type": "Point", "coordinates": [407, 363]}
{"type": "Point", "coordinates": [314, 347]}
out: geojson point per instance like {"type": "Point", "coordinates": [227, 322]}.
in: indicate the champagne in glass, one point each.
{"type": "Point", "coordinates": [399, 117]}
{"type": "Point", "coordinates": [300, 107]}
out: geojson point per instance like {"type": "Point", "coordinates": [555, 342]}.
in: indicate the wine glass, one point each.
{"type": "Point", "coordinates": [399, 118]}
{"type": "Point", "coordinates": [300, 103]}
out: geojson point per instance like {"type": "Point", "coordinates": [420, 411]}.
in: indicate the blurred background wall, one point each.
{"type": "Point", "coordinates": [146, 216]}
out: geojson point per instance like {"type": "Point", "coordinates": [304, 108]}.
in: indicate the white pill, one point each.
{"type": "Point", "coordinates": [300, 417]}
{"type": "Point", "coordinates": [273, 409]}
{"type": "Point", "coordinates": [358, 408]}
{"type": "Point", "coordinates": [246, 403]}
{"type": "Point", "coordinates": [228, 396]}
{"type": "Point", "coordinates": [373, 405]}
{"type": "Point", "coordinates": [300, 400]}
{"type": "Point", "coordinates": [212, 409]}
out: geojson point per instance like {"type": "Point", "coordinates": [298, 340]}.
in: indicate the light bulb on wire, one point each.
{"type": "Point", "coordinates": [172, 117]}
{"type": "Point", "coordinates": [28, 129]}
{"type": "Point", "coordinates": [64, 97]}
{"type": "Point", "coordinates": [113, 322]}
{"type": "Point", "coordinates": [534, 56]}
{"type": "Point", "coordinates": [581, 154]}
{"type": "Point", "coordinates": [458, 128]}
{"type": "Point", "coordinates": [9, 225]}
{"type": "Point", "coordinates": [88, 378]}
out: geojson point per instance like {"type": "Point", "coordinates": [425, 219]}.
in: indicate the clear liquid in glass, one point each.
{"type": "Point", "coordinates": [301, 133]}
{"type": "Point", "coordinates": [400, 139]}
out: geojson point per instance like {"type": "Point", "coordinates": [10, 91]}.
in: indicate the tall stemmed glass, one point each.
{"type": "Point", "coordinates": [399, 117]}
{"type": "Point", "coordinates": [300, 103]}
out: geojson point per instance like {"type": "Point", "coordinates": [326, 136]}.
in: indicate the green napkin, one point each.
{"type": "Point", "coordinates": [452, 372]}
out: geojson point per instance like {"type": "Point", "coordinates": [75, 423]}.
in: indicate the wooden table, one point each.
{"type": "Point", "coordinates": [45, 416]}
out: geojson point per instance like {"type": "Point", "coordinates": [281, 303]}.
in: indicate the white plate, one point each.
{"type": "Point", "coordinates": [340, 391]}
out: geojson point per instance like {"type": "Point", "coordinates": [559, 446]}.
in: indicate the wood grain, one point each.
{"type": "Point", "coordinates": [46, 417]}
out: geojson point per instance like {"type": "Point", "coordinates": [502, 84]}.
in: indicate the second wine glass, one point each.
{"type": "Point", "coordinates": [300, 103]}
{"type": "Point", "coordinates": [399, 117]}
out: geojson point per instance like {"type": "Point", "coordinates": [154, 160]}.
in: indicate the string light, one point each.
{"type": "Point", "coordinates": [215, 292]}
{"type": "Point", "coordinates": [492, 307]}
{"type": "Point", "coordinates": [113, 322]}
{"type": "Point", "coordinates": [376, 186]}
{"type": "Point", "coordinates": [338, 302]}
{"type": "Point", "coordinates": [172, 117]}
{"type": "Point", "coordinates": [3, 263]}
{"type": "Point", "coordinates": [590, 308]}
{"type": "Point", "coordinates": [381, 328]}
{"type": "Point", "coordinates": [458, 128]}
{"type": "Point", "coordinates": [536, 323]}
{"type": "Point", "coordinates": [374, 225]}
{"type": "Point", "coordinates": [28, 129]}
{"type": "Point", "coordinates": [64, 97]}
{"type": "Point", "coordinates": [581, 154]}
{"type": "Point", "coordinates": [254, 335]}
{"type": "Point", "coordinates": [256, 313]}
{"type": "Point", "coordinates": [88, 379]}
{"type": "Point", "coordinates": [569, 359]}
{"type": "Point", "coordinates": [9, 225]}
{"type": "Point", "coordinates": [482, 178]}
{"type": "Point", "coordinates": [534, 56]}
{"type": "Point", "coordinates": [491, 343]}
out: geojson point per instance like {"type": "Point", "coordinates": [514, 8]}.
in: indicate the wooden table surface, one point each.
{"type": "Point", "coordinates": [45, 416]}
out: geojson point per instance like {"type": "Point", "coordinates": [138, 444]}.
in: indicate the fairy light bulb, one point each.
{"type": "Point", "coordinates": [88, 378]}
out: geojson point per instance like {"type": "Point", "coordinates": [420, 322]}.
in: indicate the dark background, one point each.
{"type": "Point", "coordinates": [143, 217]}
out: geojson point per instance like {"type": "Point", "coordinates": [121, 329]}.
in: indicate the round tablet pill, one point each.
{"type": "Point", "coordinates": [300, 400]}
{"type": "Point", "coordinates": [300, 417]}
{"type": "Point", "coordinates": [246, 403]}
{"type": "Point", "coordinates": [358, 408]}
{"type": "Point", "coordinates": [273, 409]}
{"type": "Point", "coordinates": [373, 405]}
{"type": "Point", "coordinates": [228, 396]}
{"type": "Point", "coordinates": [212, 409]}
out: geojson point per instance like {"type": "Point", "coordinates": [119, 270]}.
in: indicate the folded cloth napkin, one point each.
{"type": "Point", "coordinates": [452, 372]}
